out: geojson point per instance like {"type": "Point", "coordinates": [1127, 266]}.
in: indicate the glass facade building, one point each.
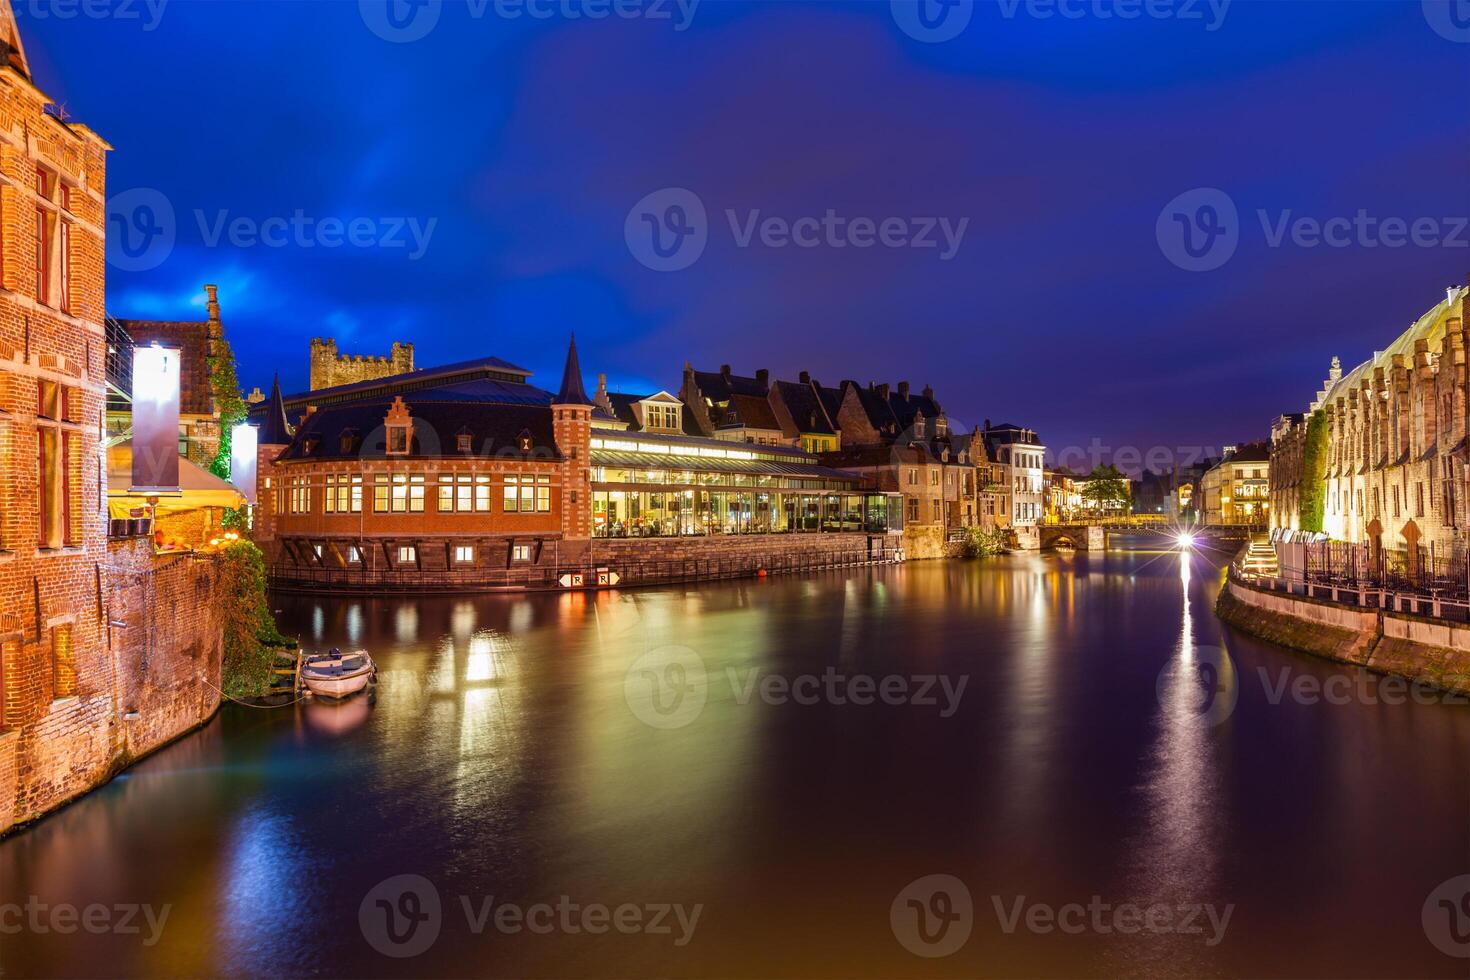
{"type": "Point", "coordinates": [646, 485]}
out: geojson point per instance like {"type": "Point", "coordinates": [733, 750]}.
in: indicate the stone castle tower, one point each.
{"type": "Point", "coordinates": [329, 369]}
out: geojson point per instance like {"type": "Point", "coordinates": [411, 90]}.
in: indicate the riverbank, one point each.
{"type": "Point", "coordinates": [1421, 649]}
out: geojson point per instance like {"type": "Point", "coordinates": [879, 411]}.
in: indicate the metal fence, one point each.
{"type": "Point", "coordinates": [1420, 570]}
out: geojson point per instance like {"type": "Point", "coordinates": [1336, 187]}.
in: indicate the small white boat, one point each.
{"type": "Point", "coordinates": [337, 674]}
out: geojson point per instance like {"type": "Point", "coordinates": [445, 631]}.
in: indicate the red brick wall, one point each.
{"type": "Point", "coordinates": [60, 736]}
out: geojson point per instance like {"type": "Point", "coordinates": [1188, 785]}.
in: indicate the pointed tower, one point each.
{"type": "Point", "coordinates": [571, 414]}
{"type": "Point", "coordinates": [274, 436]}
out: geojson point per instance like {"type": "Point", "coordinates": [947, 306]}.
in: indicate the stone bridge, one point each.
{"type": "Point", "coordinates": [1082, 537]}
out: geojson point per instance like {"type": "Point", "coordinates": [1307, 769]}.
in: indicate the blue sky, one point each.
{"type": "Point", "coordinates": [516, 146]}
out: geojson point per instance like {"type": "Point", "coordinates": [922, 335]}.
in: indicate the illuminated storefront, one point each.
{"type": "Point", "coordinates": [668, 486]}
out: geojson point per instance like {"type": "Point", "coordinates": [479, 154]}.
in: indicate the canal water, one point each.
{"type": "Point", "coordinates": [763, 778]}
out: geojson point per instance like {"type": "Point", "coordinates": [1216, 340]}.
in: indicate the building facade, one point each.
{"type": "Point", "coordinates": [1235, 490]}
{"type": "Point", "coordinates": [1024, 457]}
{"type": "Point", "coordinates": [1393, 436]}
{"type": "Point", "coordinates": [89, 678]}
{"type": "Point", "coordinates": [469, 476]}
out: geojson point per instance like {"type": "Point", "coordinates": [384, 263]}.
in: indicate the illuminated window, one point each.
{"type": "Point", "coordinates": [58, 467]}
{"type": "Point", "coordinates": [64, 250]}
{"type": "Point", "coordinates": [63, 663]}
{"type": "Point", "coordinates": [520, 552]}
{"type": "Point", "coordinates": [464, 554]}
{"type": "Point", "coordinates": [43, 237]}
{"type": "Point", "coordinates": [407, 554]}
{"type": "Point", "coordinates": [354, 557]}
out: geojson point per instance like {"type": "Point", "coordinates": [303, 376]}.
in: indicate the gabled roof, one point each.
{"type": "Point", "coordinates": [750, 411]}
{"type": "Point", "coordinates": [719, 387]}
{"type": "Point", "coordinates": [806, 408]}
{"type": "Point", "coordinates": [1430, 328]}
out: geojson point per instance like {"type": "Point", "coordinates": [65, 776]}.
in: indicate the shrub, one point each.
{"type": "Point", "coordinates": [982, 542]}
{"type": "Point", "coordinates": [249, 629]}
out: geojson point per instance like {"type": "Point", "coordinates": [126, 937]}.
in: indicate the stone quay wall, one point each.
{"type": "Point", "coordinates": [637, 561]}
{"type": "Point", "coordinates": [135, 688]}
{"type": "Point", "coordinates": [1419, 648]}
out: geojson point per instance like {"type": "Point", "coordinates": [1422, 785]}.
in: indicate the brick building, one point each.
{"type": "Point", "coordinates": [198, 342]}
{"type": "Point", "coordinates": [1395, 441]}
{"type": "Point", "coordinates": [77, 699]}
{"type": "Point", "coordinates": [331, 370]}
{"type": "Point", "coordinates": [469, 476]}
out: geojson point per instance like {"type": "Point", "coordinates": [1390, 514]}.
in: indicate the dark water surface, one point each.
{"type": "Point", "coordinates": [1102, 751]}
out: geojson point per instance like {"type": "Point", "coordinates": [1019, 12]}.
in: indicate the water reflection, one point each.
{"type": "Point", "coordinates": [502, 758]}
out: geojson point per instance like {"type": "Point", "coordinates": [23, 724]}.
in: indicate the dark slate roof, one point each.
{"type": "Point", "coordinates": [806, 409]}
{"type": "Point", "coordinates": [880, 415]}
{"type": "Point", "coordinates": [831, 401]}
{"type": "Point", "coordinates": [719, 387]}
{"type": "Point", "coordinates": [1007, 434]}
{"type": "Point", "coordinates": [192, 340]}
{"type": "Point", "coordinates": [748, 410]}
{"type": "Point", "coordinates": [481, 367]}
{"type": "Point", "coordinates": [905, 408]}
{"type": "Point", "coordinates": [274, 429]}
{"type": "Point", "coordinates": [622, 406]}
{"type": "Point", "coordinates": [495, 429]}
{"type": "Point", "coordinates": [571, 391]}
{"type": "Point", "coordinates": [482, 390]}
{"type": "Point", "coordinates": [1251, 452]}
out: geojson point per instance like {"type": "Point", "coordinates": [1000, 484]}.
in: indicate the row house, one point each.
{"type": "Point", "coordinates": [1395, 441]}
{"type": "Point", "coordinates": [1022, 457]}
{"type": "Point", "coordinates": [1236, 490]}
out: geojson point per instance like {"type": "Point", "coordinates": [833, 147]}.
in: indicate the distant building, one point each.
{"type": "Point", "coordinates": [1063, 495]}
{"type": "Point", "coordinates": [1022, 453]}
{"type": "Point", "coordinates": [330, 369]}
{"type": "Point", "coordinates": [1234, 491]}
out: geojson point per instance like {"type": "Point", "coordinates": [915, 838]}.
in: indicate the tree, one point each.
{"type": "Point", "coordinates": [225, 387]}
{"type": "Point", "coordinates": [1312, 504]}
{"type": "Point", "coordinates": [1105, 485]}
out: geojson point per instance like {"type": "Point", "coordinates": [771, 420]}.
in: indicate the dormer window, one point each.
{"type": "Point", "coordinates": [349, 440]}
{"type": "Point", "coordinates": [465, 441]}
{"type": "Point", "coordinates": [398, 428]}
{"type": "Point", "coordinates": [525, 441]}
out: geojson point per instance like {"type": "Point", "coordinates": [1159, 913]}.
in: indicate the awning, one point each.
{"type": "Point", "coordinates": [200, 488]}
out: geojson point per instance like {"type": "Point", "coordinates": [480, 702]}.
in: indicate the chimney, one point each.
{"type": "Point", "coordinates": [987, 425]}
{"type": "Point", "coordinates": [763, 378]}
{"type": "Point", "coordinates": [881, 391]}
{"type": "Point", "coordinates": [212, 291]}
{"type": "Point", "coordinates": [903, 390]}
{"type": "Point", "coordinates": [804, 378]}
{"type": "Point", "coordinates": [725, 370]}
{"type": "Point", "coordinates": [928, 392]}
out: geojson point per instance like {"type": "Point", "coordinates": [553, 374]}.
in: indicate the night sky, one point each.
{"type": "Point", "coordinates": [527, 141]}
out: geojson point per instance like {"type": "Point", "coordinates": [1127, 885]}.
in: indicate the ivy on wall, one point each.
{"type": "Point", "coordinates": [225, 387]}
{"type": "Point", "coordinates": [1313, 503]}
